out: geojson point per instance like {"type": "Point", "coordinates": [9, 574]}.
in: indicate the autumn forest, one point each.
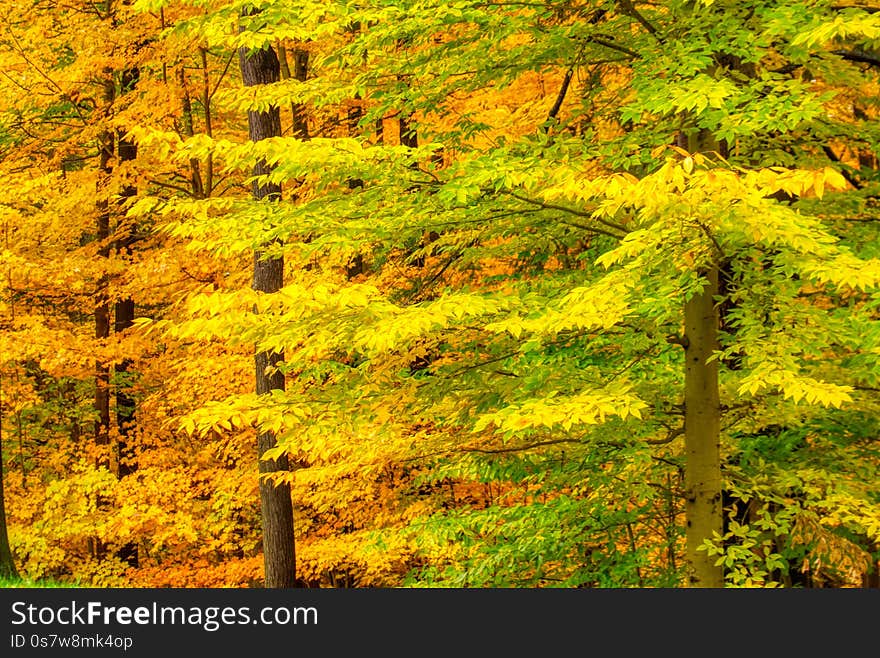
{"type": "Point", "coordinates": [440, 293]}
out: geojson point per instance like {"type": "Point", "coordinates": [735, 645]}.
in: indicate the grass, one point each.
{"type": "Point", "coordinates": [27, 582]}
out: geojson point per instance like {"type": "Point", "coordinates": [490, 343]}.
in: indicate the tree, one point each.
{"type": "Point", "coordinates": [263, 67]}
{"type": "Point", "coordinates": [609, 320]}
{"type": "Point", "coordinates": [70, 108]}
{"type": "Point", "coordinates": [597, 231]}
{"type": "Point", "coordinates": [7, 562]}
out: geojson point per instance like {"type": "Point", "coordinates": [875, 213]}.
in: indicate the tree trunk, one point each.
{"type": "Point", "coordinates": [198, 187]}
{"type": "Point", "coordinates": [355, 114]}
{"type": "Point", "coordinates": [106, 146]}
{"type": "Point", "coordinates": [704, 514]}
{"type": "Point", "coordinates": [279, 555]}
{"type": "Point", "coordinates": [406, 125]}
{"type": "Point", "coordinates": [102, 372]}
{"type": "Point", "coordinates": [123, 458]}
{"type": "Point", "coordinates": [102, 307]}
{"type": "Point", "coordinates": [299, 122]}
{"type": "Point", "coordinates": [124, 309]}
{"type": "Point", "coordinates": [209, 126]}
{"type": "Point", "coordinates": [701, 424]}
{"type": "Point", "coordinates": [408, 135]}
{"type": "Point", "coordinates": [7, 563]}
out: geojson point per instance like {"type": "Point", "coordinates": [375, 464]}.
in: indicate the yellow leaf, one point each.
{"type": "Point", "coordinates": [834, 179]}
{"type": "Point", "coordinates": [819, 184]}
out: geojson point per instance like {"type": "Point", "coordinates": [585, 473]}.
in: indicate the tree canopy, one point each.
{"type": "Point", "coordinates": [540, 294]}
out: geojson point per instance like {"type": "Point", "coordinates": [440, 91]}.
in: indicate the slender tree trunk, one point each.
{"type": "Point", "coordinates": [279, 554]}
{"type": "Point", "coordinates": [123, 458]}
{"type": "Point", "coordinates": [299, 123]}
{"type": "Point", "coordinates": [209, 125]}
{"type": "Point", "coordinates": [198, 187]}
{"type": "Point", "coordinates": [124, 309]}
{"type": "Point", "coordinates": [872, 578]}
{"type": "Point", "coordinates": [102, 307]}
{"type": "Point", "coordinates": [353, 119]}
{"type": "Point", "coordinates": [19, 432]}
{"type": "Point", "coordinates": [7, 562]}
{"type": "Point", "coordinates": [301, 73]}
{"type": "Point", "coordinates": [125, 406]}
{"type": "Point", "coordinates": [406, 125]}
{"type": "Point", "coordinates": [106, 147]}
{"type": "Point", "coordinates": [702, 421]}
{"type": "Point", "coordinates": [408, 135]}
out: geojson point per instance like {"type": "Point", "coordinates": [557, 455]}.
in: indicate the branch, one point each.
{"type": "Point", "coordinates": [788, 68]}
{"type": "Point", "coordinates": [667, 461]}
{"type": "Point", "coordinates": [171, 186]}
{"type": "Point", "coordinates": [629, 8]}
{"type": "Point", "coordinates": [852, 219]}
{"type": "Point", "coordinates": [196, 278]}
{"type": "Point", "coordinates": [424, 286]}
{"type": "Point", "coordinates": [593, 229]}
{"type": "Point", "coordinates": [712, 239]}
{"type": "Point", "coordinates": [43, 74]}
{"type": "Point", "coordinates": [858, 56]}
{"type": "Point", "coordinates": [669, 438]}
{"type": "Point", "coordinates": [539, 444]}
{"type": "Point", "coordinates": [220, 77]}
{"type": "Point", "coordinates": [613, 46]}
{"type": "Point", "coordinates": [864, 8]}
{"type": "Point", "coordinates": [852, 180]}
{"type": "Point", "coordinates": [557, 105]}
{"type": "Point", "coordinates": [578, 213]}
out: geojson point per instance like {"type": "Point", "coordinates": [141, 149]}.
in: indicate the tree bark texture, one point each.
{"type": "Point", "coordinates": [102, 308]}
{"type": "Point", "coordinates": [299, 122]}
{"type": "Point", "coordinates": [702, 485]}
{"type": "Point", "coordinates": [279, 553]}
{"type": "Point", "coordinates": [124, 309]}
{"type": "Point", "coordinates": [7, 562]}
{"type": "Point", "coordinates": [122, 459]}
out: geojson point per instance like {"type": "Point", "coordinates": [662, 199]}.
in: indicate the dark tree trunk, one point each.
{"type": "Point", "coordinates": [301, 73]}
{"type": "Point", "coordinates": [279, 554]}
{"type": "Point", "coordinates": [106, 146]}
{"type": "Point", "coordinates": [408, 135]}
{"type": "Point", "coordinates": [198, 187]}
{"type": "Point", "coordinates": [124, 309]}
{"type": "Point", "coordinates": [123, 460]}
{"type": "Point", "coordinates": [405, 122]}
{"type": "Point", "coordinates": [299, 123]}
{"type": "Point", "coordinates": [7, 562]}
{"type": "Point", "coordinates": [102, 307]}
{"type": "Point", "coordinates": [102, 372]}
{"type": "Point", "coordinates": [355, 114]}
{"type": "Point", "coordinates": [209, 127]}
